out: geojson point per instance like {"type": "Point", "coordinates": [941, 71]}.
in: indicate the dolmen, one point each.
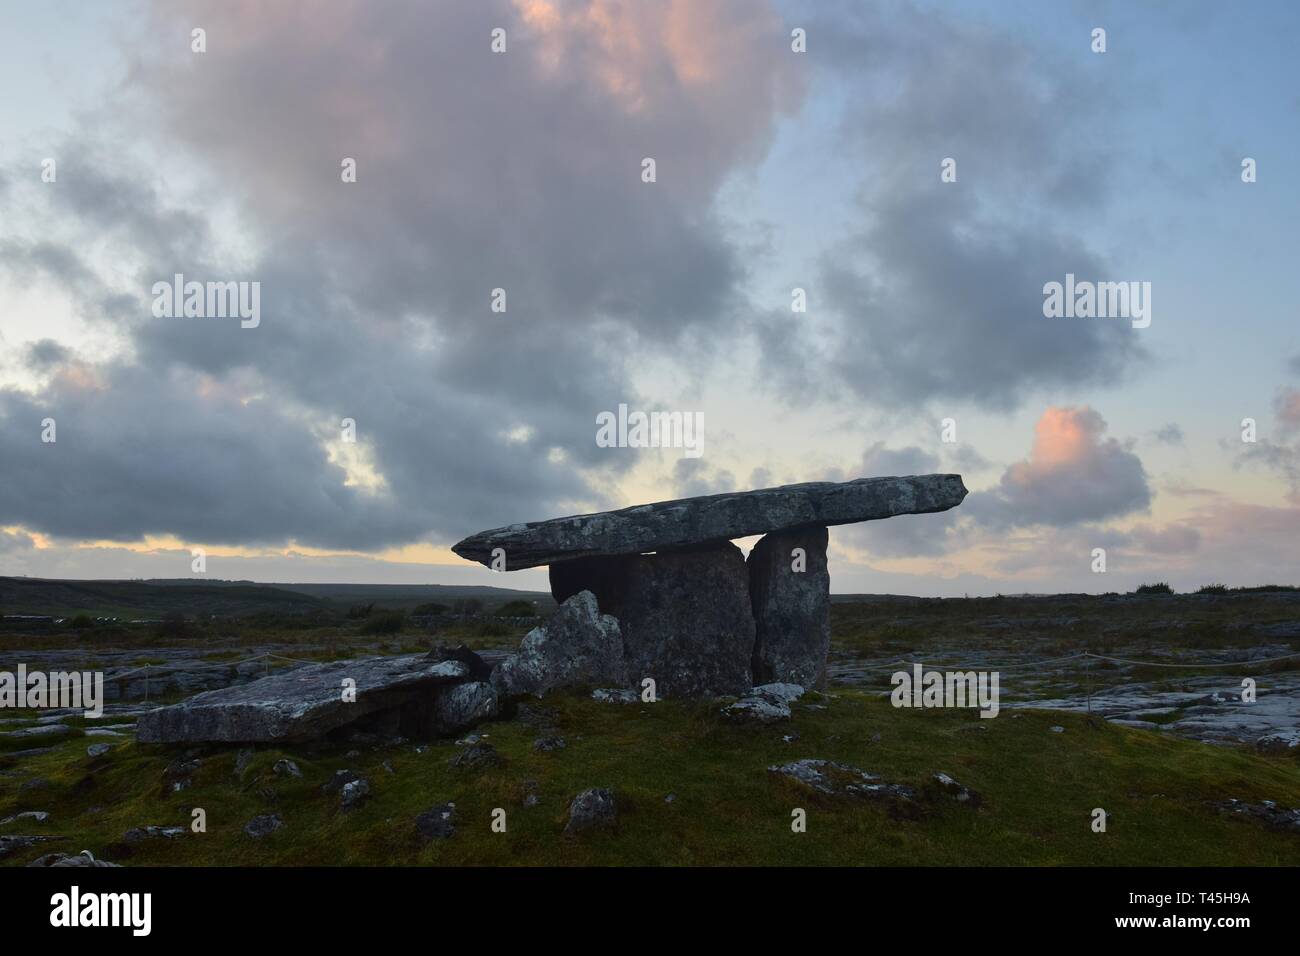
{"type": "Point", "coordinates": [658, 591]}
{"type": "Point", "coordinates": [653, 592]}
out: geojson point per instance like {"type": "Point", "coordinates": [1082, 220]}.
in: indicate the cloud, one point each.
{"type": "Point", "coordinates": [1072, 475]}
{"type": "Point", "coordinates": [1169, 434]}
{"type": "Point", "coordinates": [476, 171]}
{"type": "Point", "coordinates": [937, 291]}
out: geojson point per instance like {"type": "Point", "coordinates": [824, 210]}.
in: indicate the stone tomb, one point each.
{"type": "Point", "coordinates": [693, 614]}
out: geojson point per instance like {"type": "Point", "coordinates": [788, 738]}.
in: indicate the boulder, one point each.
{"type": "Point", "coordinates": [263, 825]}
{"type": "Point", "coordinates": [464, 705]}
{"type": "Point", "coordinates": [685, 616]}
{"type": "Point", "coordinates": [790, 593]}
{"type": "Point", "coordinates": [841, 780]}
{"type": "Point", "coordinates": [710, 518]}
{"type": "Point", "coordinates": [84, 858]}
{"type": "Point", "coordinates": [477, 669]}
{"type": "Point", "coordinates": [301, 704]}
{"type": "Point", "coordinates": [592, 809]}
{"type": "Point", "coordinates": [439, 823]}
{"type": "Point", "coordinates": [578, 646]}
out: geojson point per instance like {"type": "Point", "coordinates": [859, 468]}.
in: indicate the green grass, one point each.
{"type": "Point", "coordinates": [1039, 790]}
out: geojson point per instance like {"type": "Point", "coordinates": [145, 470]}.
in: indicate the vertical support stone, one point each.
{"type": "Point", "coordinates": [792, 608]}
{"type": "Point", "coordinates": [685, 615]}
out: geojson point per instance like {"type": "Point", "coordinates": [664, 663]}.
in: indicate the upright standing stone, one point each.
{"type": "Point", "coordinates": [792, 608]}
{"type": "Point", "coordinates": [685, 615]}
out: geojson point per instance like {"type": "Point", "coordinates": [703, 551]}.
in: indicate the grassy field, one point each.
{"type": "Point", "coordinates": [1039, 790]}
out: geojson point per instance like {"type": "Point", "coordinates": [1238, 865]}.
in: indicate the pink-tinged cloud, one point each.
{"type": "Point", "coordinates": [1073, 474]}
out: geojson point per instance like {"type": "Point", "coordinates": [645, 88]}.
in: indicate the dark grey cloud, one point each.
{"type": "Point", "coordinates": [939, 292]}
{"type": "Point", "coordinates": [475, 171]}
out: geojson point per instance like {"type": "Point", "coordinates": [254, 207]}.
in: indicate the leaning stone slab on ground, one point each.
{"type": "Point", "coordinates": [305, 703]}
{"type": "Point", "coordinates": [690, 521]}
{"type": "Point", "coordinates": [790, 590]}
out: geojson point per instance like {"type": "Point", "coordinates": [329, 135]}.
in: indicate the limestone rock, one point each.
{"type": "Point", "coordinates": [84, 858]}
{"type": "Point", "coordinates": [462, 706]}
{"type": "Point", "coordinates": [690, 521]}
{"type": "Point", "coordinates": [263, 825]}
{"type": "Point", "coordinates": [757, 709]}
{"type": "Point", "coordinates": [354, 792]}
{"type": "Point", "coordinates": [301, 704]}
{"type": "Point", "coordinates": [614, 695]}
{"type": "Point", "coordinates": [792, 608]}
{"type": "Point", "coordinates": [578, 646]}
{"type": "Point", "coordinates": [591, 809]}
{"type": "Point", "coordinates": [438, 823]}
{"type": "Point", "coordinates": [834, 779]}
{"type": "Point", "coordinates": [685, 616]}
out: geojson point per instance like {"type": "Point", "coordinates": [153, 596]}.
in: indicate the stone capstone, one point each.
{"type": "Point", "coordinates": [685, 522]}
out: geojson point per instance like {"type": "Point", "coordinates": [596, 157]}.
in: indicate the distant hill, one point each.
{"type": "Point", "coordinates": [409, 595]}
{"type": "Point", "coordinates": [155, 597]}
{"type": "Point", "coordinates": [149, 599]}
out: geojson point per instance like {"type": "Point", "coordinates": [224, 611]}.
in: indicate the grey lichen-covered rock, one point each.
{"type": "Point", "coordinates": [479, 756]}
{"type": "Point", "coordinates": [83, 859]}
{"type": "Point", "coordinates": [783, 691]}
{"type": "Point", "coordinates": [790, 592]}
{"type": "Point", "coordinates": [948, 787]}
{"type": "Point", "coordinates": [300, 704]}
{"type": "Point", "coordinates": [464, 705]}
{"type": "Point", "coordinates": [34, 816]}
{"type": "Point", "coordinates": [835, 779]}
{"type": "Point", "coordinates": [590, 809]}
{"type": "Point", "coordinates": [757, 710]}
{"type": "Point", "coordinates": [685, 616]}
{"type": "Point", "coordinates": [353, 793]}
{"type": "Point", "coordinates": [438, 823]}
{"type": "Point", "coordinates": [690, 521]}
{"type": "Point", "coordinates": [614, 695]}
{"type": "Point", "coordinates": [1266, 812]}
{"type": "Point", "coordinates": [263, 825]}
{"type": "Point", "coordinates": [139, 834]}
{"type": "Point", "coordinates": [578, 646]}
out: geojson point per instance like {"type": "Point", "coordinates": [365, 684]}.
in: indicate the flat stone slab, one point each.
{"type": "Point", "coordinates": [302, 704]}
{"type": "Point", "coordinates": [685, 522]}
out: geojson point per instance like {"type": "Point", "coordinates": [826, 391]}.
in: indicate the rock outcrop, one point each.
{"type": "Point", "coordinates": [577, 647]}
{"type": "Point", "coordinates": [690, 521]}
{"type": "Point", "coordinates": [308, 702]}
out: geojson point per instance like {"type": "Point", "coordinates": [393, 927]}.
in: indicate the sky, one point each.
{"type": "Point", "coordinates": [775, 169]}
